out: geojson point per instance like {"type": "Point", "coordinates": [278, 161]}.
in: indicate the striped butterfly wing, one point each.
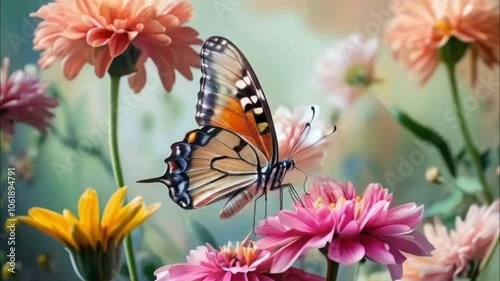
{"type": "Point", "coordinates": [211, 164]}
{"type": "Point", "coordinates": [231, 97]}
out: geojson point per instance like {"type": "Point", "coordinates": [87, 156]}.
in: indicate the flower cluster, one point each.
{"type": "Point", "coordinates": [100, 31]}
{"type": "Point", "coordinates": [472, 241]}
{"type": "Point", "coordinates": [347, 227]}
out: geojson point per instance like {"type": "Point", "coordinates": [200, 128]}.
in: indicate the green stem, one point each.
{"type": "Point", "coordinates": [469, 145]}
{"type": "Point", "coordinates": [332, 270]}
{"type": "Point", "coordinates": [117, 169]}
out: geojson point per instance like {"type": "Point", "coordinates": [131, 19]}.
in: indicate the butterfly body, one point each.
{"type": "Point", "coordinates": [234, 153]}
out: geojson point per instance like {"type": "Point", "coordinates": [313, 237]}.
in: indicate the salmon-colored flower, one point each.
{"type": "Point", "coordinates": [347, 226]}
{"type": "Point", "coordinates": [24, 99]}
{"type": "Point", "coordinates": [421, 27]}
{"type": "Point", "coordinates": [472, 240]}
{"type": "Point", "coordinates": [99, 31]}
{"type": "Point", "coordinates": [242, 262]}
{"type": "Point", "coordinates": [299, 141]}
{"type": "Point", "coordinates": [346, 70]}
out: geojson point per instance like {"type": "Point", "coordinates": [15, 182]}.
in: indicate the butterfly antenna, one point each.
{"type": "Point", "coordinates": [322, 138]}
{"type": "Point", "coordinates": [302, 136]}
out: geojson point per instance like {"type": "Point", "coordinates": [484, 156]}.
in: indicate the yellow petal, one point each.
{"type": "Point", "coordinates": [52, 220]}
{"type": "Point", "coordinates": [70, 218]}
{"type": "Point", "coordinates": [88, 211]}
{"type": "Point", "coordinates": [113, 207]}
{"type": "Point", "coordinates": [79, 236]}
{"type": "Point", "coordinates": [143, 215]}
{"type": "Point", "coordinates": [124, 217]}
{"type": "Point", "coordinates": [47, 230]}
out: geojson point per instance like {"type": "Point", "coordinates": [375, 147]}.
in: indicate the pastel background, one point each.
{"type": "Point", "coordinates": [283, 42]}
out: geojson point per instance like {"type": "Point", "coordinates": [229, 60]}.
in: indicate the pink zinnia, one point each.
{"type": "Point", "coordinates": [346, 70]}
{"type": "Point", "coordinates": [23, 99]}
{"type": "Point", "coordinates": [472, 240]}
{"type": "Point", "coordinates": [351, 227]}
{"type": "Point", "coordinates": [309, 149]}
{"type": "Point", "coordinates": [98, 31]}
{"type": "Point", "coordinates": [421, 27]}
{"type": "Point", "coordinates": [242, 262]}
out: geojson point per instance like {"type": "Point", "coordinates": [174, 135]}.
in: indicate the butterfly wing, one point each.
{"type": "Point", "coordinates": [211, 164]}
{"type": "Point", "coordinates": [231, 97]}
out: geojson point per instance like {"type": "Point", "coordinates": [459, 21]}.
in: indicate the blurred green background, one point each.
{"type": "Point", "coordinates": [283, 42]}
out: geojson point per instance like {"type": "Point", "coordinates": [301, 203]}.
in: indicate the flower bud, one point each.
{"type": "Point", "coordinates": [433, 175]}
{"type": "Point", "coordinates": [96, 264]}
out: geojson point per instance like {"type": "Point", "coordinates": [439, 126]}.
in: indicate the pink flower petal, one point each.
{"type": "Point", "coordinates": [346, 251]}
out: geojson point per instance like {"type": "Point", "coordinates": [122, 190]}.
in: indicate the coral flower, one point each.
{"type": "Point", "coordinates": [100, 31]}
{"type": "Point", "coordinates": [23, 99]}
{"type": "Point", "coordinates": [472, 240]}
{"type": "Point", "coordinates": [347, 226]}
{"type": "Point", "coordinates": [301, 142]}
{"type": "Point", "coordinates": [94, 244]}
{"type": "Point", "coordinates": [346, 70]}
{"type": "Point", "coordinates": [420, 28]}
{"type": "Point", "coordinates": [232, 263]}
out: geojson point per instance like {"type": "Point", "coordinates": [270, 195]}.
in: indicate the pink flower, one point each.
{"type": "Point", "coordinates": [346, 70]}
{"type": "Point", "coordinates": [420, 28]}
{"type": "Point", "coordinates": [242, 262]}
{"type": "Point", "coordinates": [99, 31]}
{"type": "Point", "coordinates": [303, 146]}
{"type": "Point", "coordinates": [347, 226]}
{"type": "Point", "coordinates": [473, 239]}
{"type": "Point", "coordinates": [23, 99]}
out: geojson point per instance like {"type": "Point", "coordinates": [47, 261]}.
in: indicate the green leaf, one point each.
{"type": "Point", "coordinates": [149, 269]}
{"type": "Point", "coordinates": [204, 235]}
{"type": "Point", "coordinates": [445, 206]}
{"type": "Point", "coordinates": [427, 135]}
{"type": "Point", "coordinates": [484, 159]}
{"type": "Point", "coordinates": [469, 185]}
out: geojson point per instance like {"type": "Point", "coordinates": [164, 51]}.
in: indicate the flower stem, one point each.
{"type": "Point", "coordinates": [117, 169]}
{"type": "Point", "coordinates": [332, 270]}
{"type": "Point", "coordinates": [469, 145]}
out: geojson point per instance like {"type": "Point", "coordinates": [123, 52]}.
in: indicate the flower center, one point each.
{"type": "Point", "coordinates": [245, 255]}
{"type": "Point", "coordinates": [358, 76]}
{"type": "Point", "coordinates": [444, 26]}
{"type": "Point", "coordinates": [359, 204]}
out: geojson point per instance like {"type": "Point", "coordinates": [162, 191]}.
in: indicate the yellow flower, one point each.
{"type": "Point", "coordinates": [91, 240]}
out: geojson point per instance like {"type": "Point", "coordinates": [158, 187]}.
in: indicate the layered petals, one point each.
{"type": "Point", "coordinates": [98, 32]}
{"type": "Point", "coordinates": [300, 139]}
{"type": "Point", "coordinates": [87, 230]}
{"type": "Point", "coordinates": [346, 70]}
{"type": "Point", "coordinates": [242, 262]}
{"type": "Point", "coordinates": [420, 28]}
{"type": "Point", "coordinates": [347, 227]}
{"type": "Point", "coordinates": [23, 99]}
{"type": "Point", "coordinates": [472, 240]}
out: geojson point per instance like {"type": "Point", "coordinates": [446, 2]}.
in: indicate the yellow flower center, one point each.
{"type": "Point", "coordinates": [444, 26]}
{"type": "Point", "coordinates": [243, 254]}
{"type": "Point", "coordinates": [358, 201]}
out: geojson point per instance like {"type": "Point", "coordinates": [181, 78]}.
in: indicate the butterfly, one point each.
{"type": "Point", "coordinates": [233, 155]}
